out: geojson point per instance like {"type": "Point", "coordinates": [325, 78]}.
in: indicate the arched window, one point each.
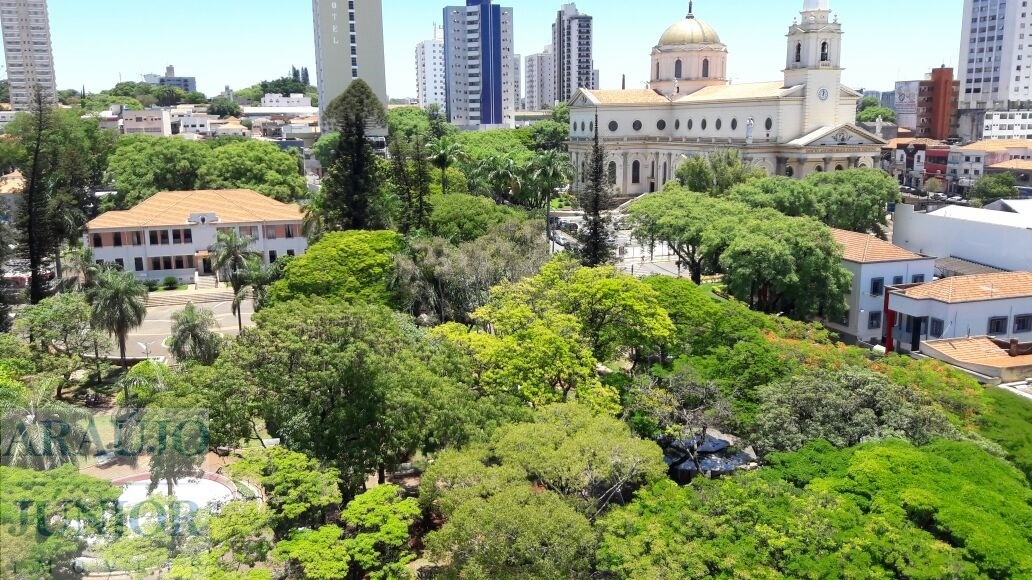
{"type": "Point", "coordinates": [789, 172]}
{"type": "Point", "coordinates": [799, 52]}
{"type": "Point", "coordinates": [612, 173]}
{"type": "Point", "coordinates": [705, 68]}
{"type": "Point", "coordinates": [820, 169]}
{"type": "Point", "coordinates": [839, 168]}
{"type": "Point", "coordinates": [664, 172]}
{"type": "Point", "coordinates": [652, 170]}
{"type": "Point", "coordinates": [825, 57]}
{"type": "Point", "coordinates": [636, 172]}
{"type": "Point", "coordinates": [677, 69]}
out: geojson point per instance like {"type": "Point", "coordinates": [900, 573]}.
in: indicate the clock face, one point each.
{"type": "Point", "coordinates": [823, 94]}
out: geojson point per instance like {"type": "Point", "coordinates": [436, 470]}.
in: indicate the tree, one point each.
{"type": "Point", "coordinates": [461, 218]}
{"type": "Point", "coordinates": [444, 153]}
{"type": "Point", "coordinates": [40, 431]}
{"type": "Point", "coordinates": [518, 533]}
{"type": "Point", "coordinates": [855, 199]}
{"type": "Point", "coordinates": [230, 253]}
{"type": "Point", "coordinates": [325, 148]}
{"type": "Point", "coordinates": [353, 265]}
{"type": "Point", "coordinates": [377, 532]}
{"type": "Point", "coordinates": [593, 236]}
{"type": "Point", "coordinates": [32, 218]}
{"type": "Point", "coordinates": [549, 135]}
{"type": "Point", "coordinates": [438, 122]}
{"type": "Point", "coordinates": [406, 123]}
{"type": "Point", "coordinates": [992, 187]}
{"type": "Point", "coordinates": [169, 96]}
{"type": "Point", "coordinates": [193, 335]}
{"type": "Point", "coordinates": [717, 172]}
{"type": "Point", "coordinates": [253, 164]}
{"type": "Point", "coordinates": [142, 165]}
{"type": "Point", "coordinates": [304, 76]}
{"type": "Point", "coordinates": [259, 278]}
{"type": "Point", "coordinates": [352, 179]}
{"type": "Point", "coordinates": [317, 553]}
{"type": "Point", "coordinates": [119, 304]}
{"type": "Point", "coordinates": [551, 170]}
{"type": "Point", "coordinates": [224, 107]}
{"type": "Point", "coordinates": [871, 114]}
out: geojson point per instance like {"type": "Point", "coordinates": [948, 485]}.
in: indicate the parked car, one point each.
{"type": "Point", "coordinates": [938, 196]}
{"type": "Point", "coordinates": [955, 199]}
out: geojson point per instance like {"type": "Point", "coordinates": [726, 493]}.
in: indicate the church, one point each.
{"type": "Point", "coordinates": [794, 126]}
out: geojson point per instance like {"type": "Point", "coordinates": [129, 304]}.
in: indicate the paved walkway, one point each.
{"type": "Point", "coordinates": [149, 339]}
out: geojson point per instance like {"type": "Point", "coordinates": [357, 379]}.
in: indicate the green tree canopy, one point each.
{"type": "Point", "coordinates": [224, 107]}
{"type": "Point", "coordinates": [871, 114]}
{"type": "Point", "coordinates": [142, 165]}
{"type": "Point", "coordinates": [716, 173]}
{"type": "Point", "coordinates": [257, 165]}
{"type": "Point", "coordinates": [992, 187]}
{"type": "Point", "coordinates": [461, 218]}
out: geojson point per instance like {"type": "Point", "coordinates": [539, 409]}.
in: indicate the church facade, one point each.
{"type": "Point", "coordinates": [795, 126]}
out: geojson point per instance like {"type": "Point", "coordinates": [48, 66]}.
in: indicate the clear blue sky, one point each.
{"type": "Point", "coordinates": [239, 42]}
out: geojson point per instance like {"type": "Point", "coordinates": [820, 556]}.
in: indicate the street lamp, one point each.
{"type": "Point", "coordinates": [145, 347]}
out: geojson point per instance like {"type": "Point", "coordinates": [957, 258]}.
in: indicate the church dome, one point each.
{"type": "Point", "coordinates": [691, 30]}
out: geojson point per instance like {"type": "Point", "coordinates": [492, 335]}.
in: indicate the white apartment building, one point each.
{"type": "Point", "coordinates": [875, 265]}
{"type": "Point", "coordinates": [30, 59]}
{"type": "Point", "coordinates": [196, 124]}
{"type": "Point", "coordinates": [478, 59]}
{"type": "Point", "coordinates": [517, 79]}
{"type": "Point", "coordinates": [149, 121]}
{"type": "Point", "coordinates": [968, 164]}
{"type": "Point", "coordinates": [995, 53]}
{"type": "Point", "coordinates": [1008, 124]}
{"type": "Point", "coordinates": [293, 100]}
{"type": "Point", "coordinates": [430, 80]}
{"type": "Point", "coordinates": [572, 41]}
{"type": "Point", "coordinates": [539, 73]}
{"type": "Point", "coordinates": [348, 45]}
{"type": "Point", "coordinates": [169, 233]}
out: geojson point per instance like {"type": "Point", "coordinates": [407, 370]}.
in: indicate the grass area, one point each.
{"type": "Point", "coordinates": [1008, 421]}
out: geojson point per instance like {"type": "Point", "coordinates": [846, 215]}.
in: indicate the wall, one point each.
{"type": "Point", "coordinates": [861, 302]}
{"type": "Point", "coordinates": [966, 318]}
{"type": "Point", "coordinates": [1007, 248]}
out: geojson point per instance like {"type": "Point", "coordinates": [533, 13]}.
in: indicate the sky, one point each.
{"type": "Point", "coordinates": [240, 42]}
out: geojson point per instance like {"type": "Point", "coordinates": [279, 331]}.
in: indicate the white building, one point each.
{"type": "Point", "coordinates": [875, 265]}
{"type": "Point", "coordinates": [517, 79]}
{"type": "Point", "coordinates": [430, 70]}
{"type": "Point", "coordinates": [196, 124]}
{"type": "Point", "coordinates": [478, 62]}
{"type": "Point", "coordinates": [968, 164]}
{"type": "Point", "coordinates": [293, 100]}
{"type": "Point", "coordinates": [795, 126]}
{"type": "Point", "coordinates": [539, 72]}
{"type": "Point", "coordinates": [169, 233]}
{"type": "Point", "coordinates": [149, 121]}
{"type": "Point", "coordinates": [573, 43]}
{"type": "Point", "coordinates": [996, 305]}
{"type": "Point", "coordinates": [30, 59]}
{"type": "Point", "coordinates": [995, 53]}
{"type": "Point", "coordinates": [997, 239]}
{"type": "Point", "coordinates": [348, 45]}
{"type": "Point", "coordinates": [1008, 124]}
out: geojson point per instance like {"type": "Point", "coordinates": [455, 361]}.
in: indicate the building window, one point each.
{"type": "Point", "coordinates": [1022, 323]}
{"type": "Point", "coordinates": [637, 125]}
{"type": "Point", "coordinates": [690, 124]}
{"type": "Point", "coordinates": [917, 279]}
{"type": "Point", "coordinates": [613, 126]}
{"type": "Point", "coordinates": [164, 237]}
{"type": "Point", "coordinates": [118, 239]}
{"type": "Point", "coordinates": [636, 172]}
{"type": "Point", "coordinates": [120, 263]}
{"type": "Point", "coordinates": [874, 320]}
{"type": "Point", "coordinates": [897, 280]}
{"type": "Point", "coordinates": [705, 68]}
{"type": "Point", "coordinates": [290, 253]}
{"type": "Point", "coordinates": [799, 52]}
{"type": "Point", "coordinates": [935, 328]}
{"type": "Point", "coordinates": [137, 238]}
{"type": "Point", "coordinates": [719, 124]}
{"type": "Point", "coordinates": [789, 172]}
{"type": "Point", "coordinates": [166, 262]}
{"type": "Point", "coordinates": [998, 325]}
{"type": "Point", "coordinates": [657, 71]}
{"type": "Point", "coordinates": [661, 124]}
{"type": "Point", "coordinates": [270, 232]}
{"type": "Point", "coordinates": [703, 125]}
{"type": "Point", "coordinates": [734, 124]}
{"type": "Point", "coordinates": [877, 286]}
{"type": "Point", "coordinates": [769, 124]}
{"type": "Point", "coordinates": [272, 256]}
{"type": "Point", "coordinates": [97, 241]}
{"type": "Point", "coordinates": [677, 124]}
{"type": "Point", "coordinates": [612, 173]}
{"type": "Point", "coordinates": [155, 264]}
{"type": "Point", "coordinates": [825, 56]}
{"type": "Point", "coordinates": [138, 264]}
{"type": "Point", "coordinates": [677, 69]}
{"type": "Point", "coordinates": [177, 236]}
{"type": "Point", "coordinates": [290, 231]}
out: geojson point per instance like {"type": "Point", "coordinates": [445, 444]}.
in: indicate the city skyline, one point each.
{"type": "Point", "coordinates": [84, 58]}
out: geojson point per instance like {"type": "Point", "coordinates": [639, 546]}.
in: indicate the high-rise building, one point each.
{"type": "Point", "coordinates": [478, 61]}
{"type": "Point", "coordinates": [540, 79]}
{"type": "Point", "coordinates": [572, 42]}
{"type": "Point", "coordinates": [517, 80]}
{"type": "Point", "coordinates": [188, 84]}
{"type": "Point", "coordinates": [348, 46]}
{"type": "Point", "coordinates": [430, 70]}
{"type": "Point", "coordinates": [30, 60]}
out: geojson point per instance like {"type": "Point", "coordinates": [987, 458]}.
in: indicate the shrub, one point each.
{"type": "Point", "coordinates": [151, 285]}
{"type": "Point", "coordinates": [170, 282]}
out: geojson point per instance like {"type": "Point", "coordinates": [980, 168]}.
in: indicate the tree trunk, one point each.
{"type": "Point", "coordinates": [121, 350]}
{"type": "Point", "coordinates": [381, 475]}
{"type": "Point", "coordinates": [96, 359]}
{"type": "Point", "coordinates": [240, 318]}
{"type": "Point", "coordinates": [444, 179]}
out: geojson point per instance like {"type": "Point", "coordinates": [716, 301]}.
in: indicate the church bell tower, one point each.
{"type": "Point", "coordinates": [814, 59]}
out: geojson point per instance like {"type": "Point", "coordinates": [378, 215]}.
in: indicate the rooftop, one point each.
{"type": "Point", "coordinates": [867, 249]}
{"type": "Point", "coordinates": [986, 216]}
{"type": "Point", "coordinates": [904, 141]}
{"type": "Point", "coordinates": [1019, 164]}
{"type": "Point", "coordinates": [954, 266]}
{"type": "Point", "coordinates": [13, 182]}
{"type": "Point", "coordinates": [173, 208]}
{"type": "Point", "coordinates": [738, 92]}
{"type": "Point", "coordinates": [626, 97]}
{"type": "Point", "coordinates": [995, 286]}
{"type": "Point", "coordinates": [979, 350]}
{"type": "Point", "coordinates": [998, 145]}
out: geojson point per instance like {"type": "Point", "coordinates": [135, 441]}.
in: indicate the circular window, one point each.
{"type": "Point", "coordinates": [719, 124]}
{"type": "Point", "coordinates": [661, 125]}
{"type": "Point", "coordinates": [637, 125]}
{"type": "Point", "coordinates": [769, 124]}
{"type": "Point", "coordinates": [677, 124]}
{"type": "Point", "coordinates": [703, 125]}
{"type": "Point", "coordinates": [690, 123]}
{"type": "Point", "coordinates": [734, 124]}
{"type": "Point", "coordinates": [613, 125]}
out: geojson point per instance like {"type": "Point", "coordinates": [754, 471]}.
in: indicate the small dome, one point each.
{"type": "Point", "coordinates": [691, 30]}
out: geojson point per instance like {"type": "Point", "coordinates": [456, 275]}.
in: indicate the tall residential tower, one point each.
{"type": "Point", "coordinates": [430, 70]}
{"type": "Point", "coordinates": [30, 60]}
{"type": "Point", "coordinates": [478, 61]}
{"type": "Point", "coordinates": [572, 42]}
{"type": "Point", "coordinates": [348, 46]}
{"type": "Point", "coordinates": [540, 79]}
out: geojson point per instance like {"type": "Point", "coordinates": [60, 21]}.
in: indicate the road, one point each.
{"type": "Point", "coordinates": [157, 327]}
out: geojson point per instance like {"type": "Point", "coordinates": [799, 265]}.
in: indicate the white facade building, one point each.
{"type": "Point", "coordinates": [539, 72]}
{"type": "Point", "coordinates": [30, 59]}
{"type": "Point", "coordinates": [517, 78]}
{"type": "Point", "coordinates": [348, 46]}
{"type": "Point", "coordinates": [795, 126]}
{"type": "Point", "coordinates": [875, 265]}
{"type": "Point", "coordinates": [997, 239]}
{"type": "Point", "coordinates": [149, 121]}
{"type": "Point", "coordinates": [1008, 124]}
{"type": "Point", "coordinates": [293, 100]}
{"type": "Point", "coordinates": [430, 70]}
{"type": "Point", "coordinates": [995, 52]}
{"type": "Point", "coordinates": [968, 164]}
{"type": "Point", "coordinates": [196, 124]}
{"type": "Point", "coordinates": [573, 43]}
{"type": "Point", "coordinates": [478, 61]}
{"type": "Point", "coordinates": [169, 233]}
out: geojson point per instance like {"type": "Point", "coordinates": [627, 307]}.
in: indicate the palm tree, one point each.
{"type": "Point", "coordinates": [79, 260]}
{"type": "Point", "coordinates": [193, 336]}
{"type": "Point", "coordinates": [119, 303]}
{"type": "Point", "coordinates": [230, 251]}
{"type": "Point", "coordinates": [506, 177]}
{"type": "Point", "coordinates": [35, 416]}
{"type": "Point", "coordinates": [552, 170]}
{"type": "Point", "coordinates": [442, 154]}
{"type": "Point", "coordinates": [259, 278]}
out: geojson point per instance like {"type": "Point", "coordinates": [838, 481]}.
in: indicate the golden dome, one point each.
{"type": "Point", "coordinates": [691, 30]}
